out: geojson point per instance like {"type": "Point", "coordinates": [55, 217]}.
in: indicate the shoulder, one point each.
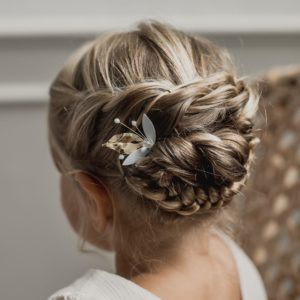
{"type": "Point", "coordinates": [251, 283]}
{"type": "Point", "coordinates": [97, 284]}
{"type": "Point", "coordinates": [80, 289]}
{"type": "Point", "coordinates": [65, 296]}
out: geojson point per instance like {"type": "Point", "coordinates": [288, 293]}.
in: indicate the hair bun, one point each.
{"type": "Point", "coordinates": [203, 159]}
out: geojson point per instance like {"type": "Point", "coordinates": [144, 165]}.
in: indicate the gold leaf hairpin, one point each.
{"type": "Point", "coordinates": [134, 144]}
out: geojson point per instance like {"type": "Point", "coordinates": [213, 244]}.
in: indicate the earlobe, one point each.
{"type": "Point", "coordinates": [98, 201]}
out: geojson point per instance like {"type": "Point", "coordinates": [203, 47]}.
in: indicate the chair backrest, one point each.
{"type": "Point", "coordinates": [272, 196]}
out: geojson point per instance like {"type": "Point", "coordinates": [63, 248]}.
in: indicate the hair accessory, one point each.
{"type": "Point", "coordinates": [134, 144]}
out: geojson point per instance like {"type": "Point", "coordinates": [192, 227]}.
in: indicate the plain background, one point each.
{"type": "Point", "coordinates": [38, 250]}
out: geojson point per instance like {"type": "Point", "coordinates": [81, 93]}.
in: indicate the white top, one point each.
{"type": "Point", "coordinates": [98, 284]}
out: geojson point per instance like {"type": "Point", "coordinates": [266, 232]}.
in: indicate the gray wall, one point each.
{"type": "Point", "coordinates": [38, 250]}
{"type": "Point", "coordinates": [136, 7]}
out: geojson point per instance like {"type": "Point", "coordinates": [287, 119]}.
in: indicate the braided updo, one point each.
{"type": "Point", "coordinates": [202, 111]}
{"type": "Point", "coordinates": [203, 154]}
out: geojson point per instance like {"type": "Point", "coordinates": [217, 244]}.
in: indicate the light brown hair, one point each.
{"type": "Point", "coordinates": [203, 113]}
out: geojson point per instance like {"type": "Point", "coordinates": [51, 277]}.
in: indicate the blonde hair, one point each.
{"type": "Point", "coordinates": [202, 111]}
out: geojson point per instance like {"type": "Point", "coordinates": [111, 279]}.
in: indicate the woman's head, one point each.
{"type": "Point", "coordinates": [203, 114]}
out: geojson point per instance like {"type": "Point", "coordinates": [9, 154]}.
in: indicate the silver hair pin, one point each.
{"type": "Point", "coordinates": [134, 144]}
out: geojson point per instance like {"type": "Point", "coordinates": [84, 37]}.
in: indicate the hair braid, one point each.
{"type": "Point", "coordinates": [197, 165]}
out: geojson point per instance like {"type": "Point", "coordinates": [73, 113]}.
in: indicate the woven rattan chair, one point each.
{"type": "Point", "coordinates": [271, 206]}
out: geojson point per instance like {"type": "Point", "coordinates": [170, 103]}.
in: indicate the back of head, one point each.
{"type": "Point", "coordinates": [202, 111]}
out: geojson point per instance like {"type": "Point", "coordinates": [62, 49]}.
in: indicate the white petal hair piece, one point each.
{"type": "Point", "coordinates": [134, 144]}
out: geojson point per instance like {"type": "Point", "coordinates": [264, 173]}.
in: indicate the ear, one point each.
{"type": "Point", "coordinates": [99, 201]}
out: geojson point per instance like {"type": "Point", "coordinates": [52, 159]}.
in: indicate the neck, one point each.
{"type": "Point", "coordinates": [189, 245]}
{"type": "Point", "coordinates": [199, 261]}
